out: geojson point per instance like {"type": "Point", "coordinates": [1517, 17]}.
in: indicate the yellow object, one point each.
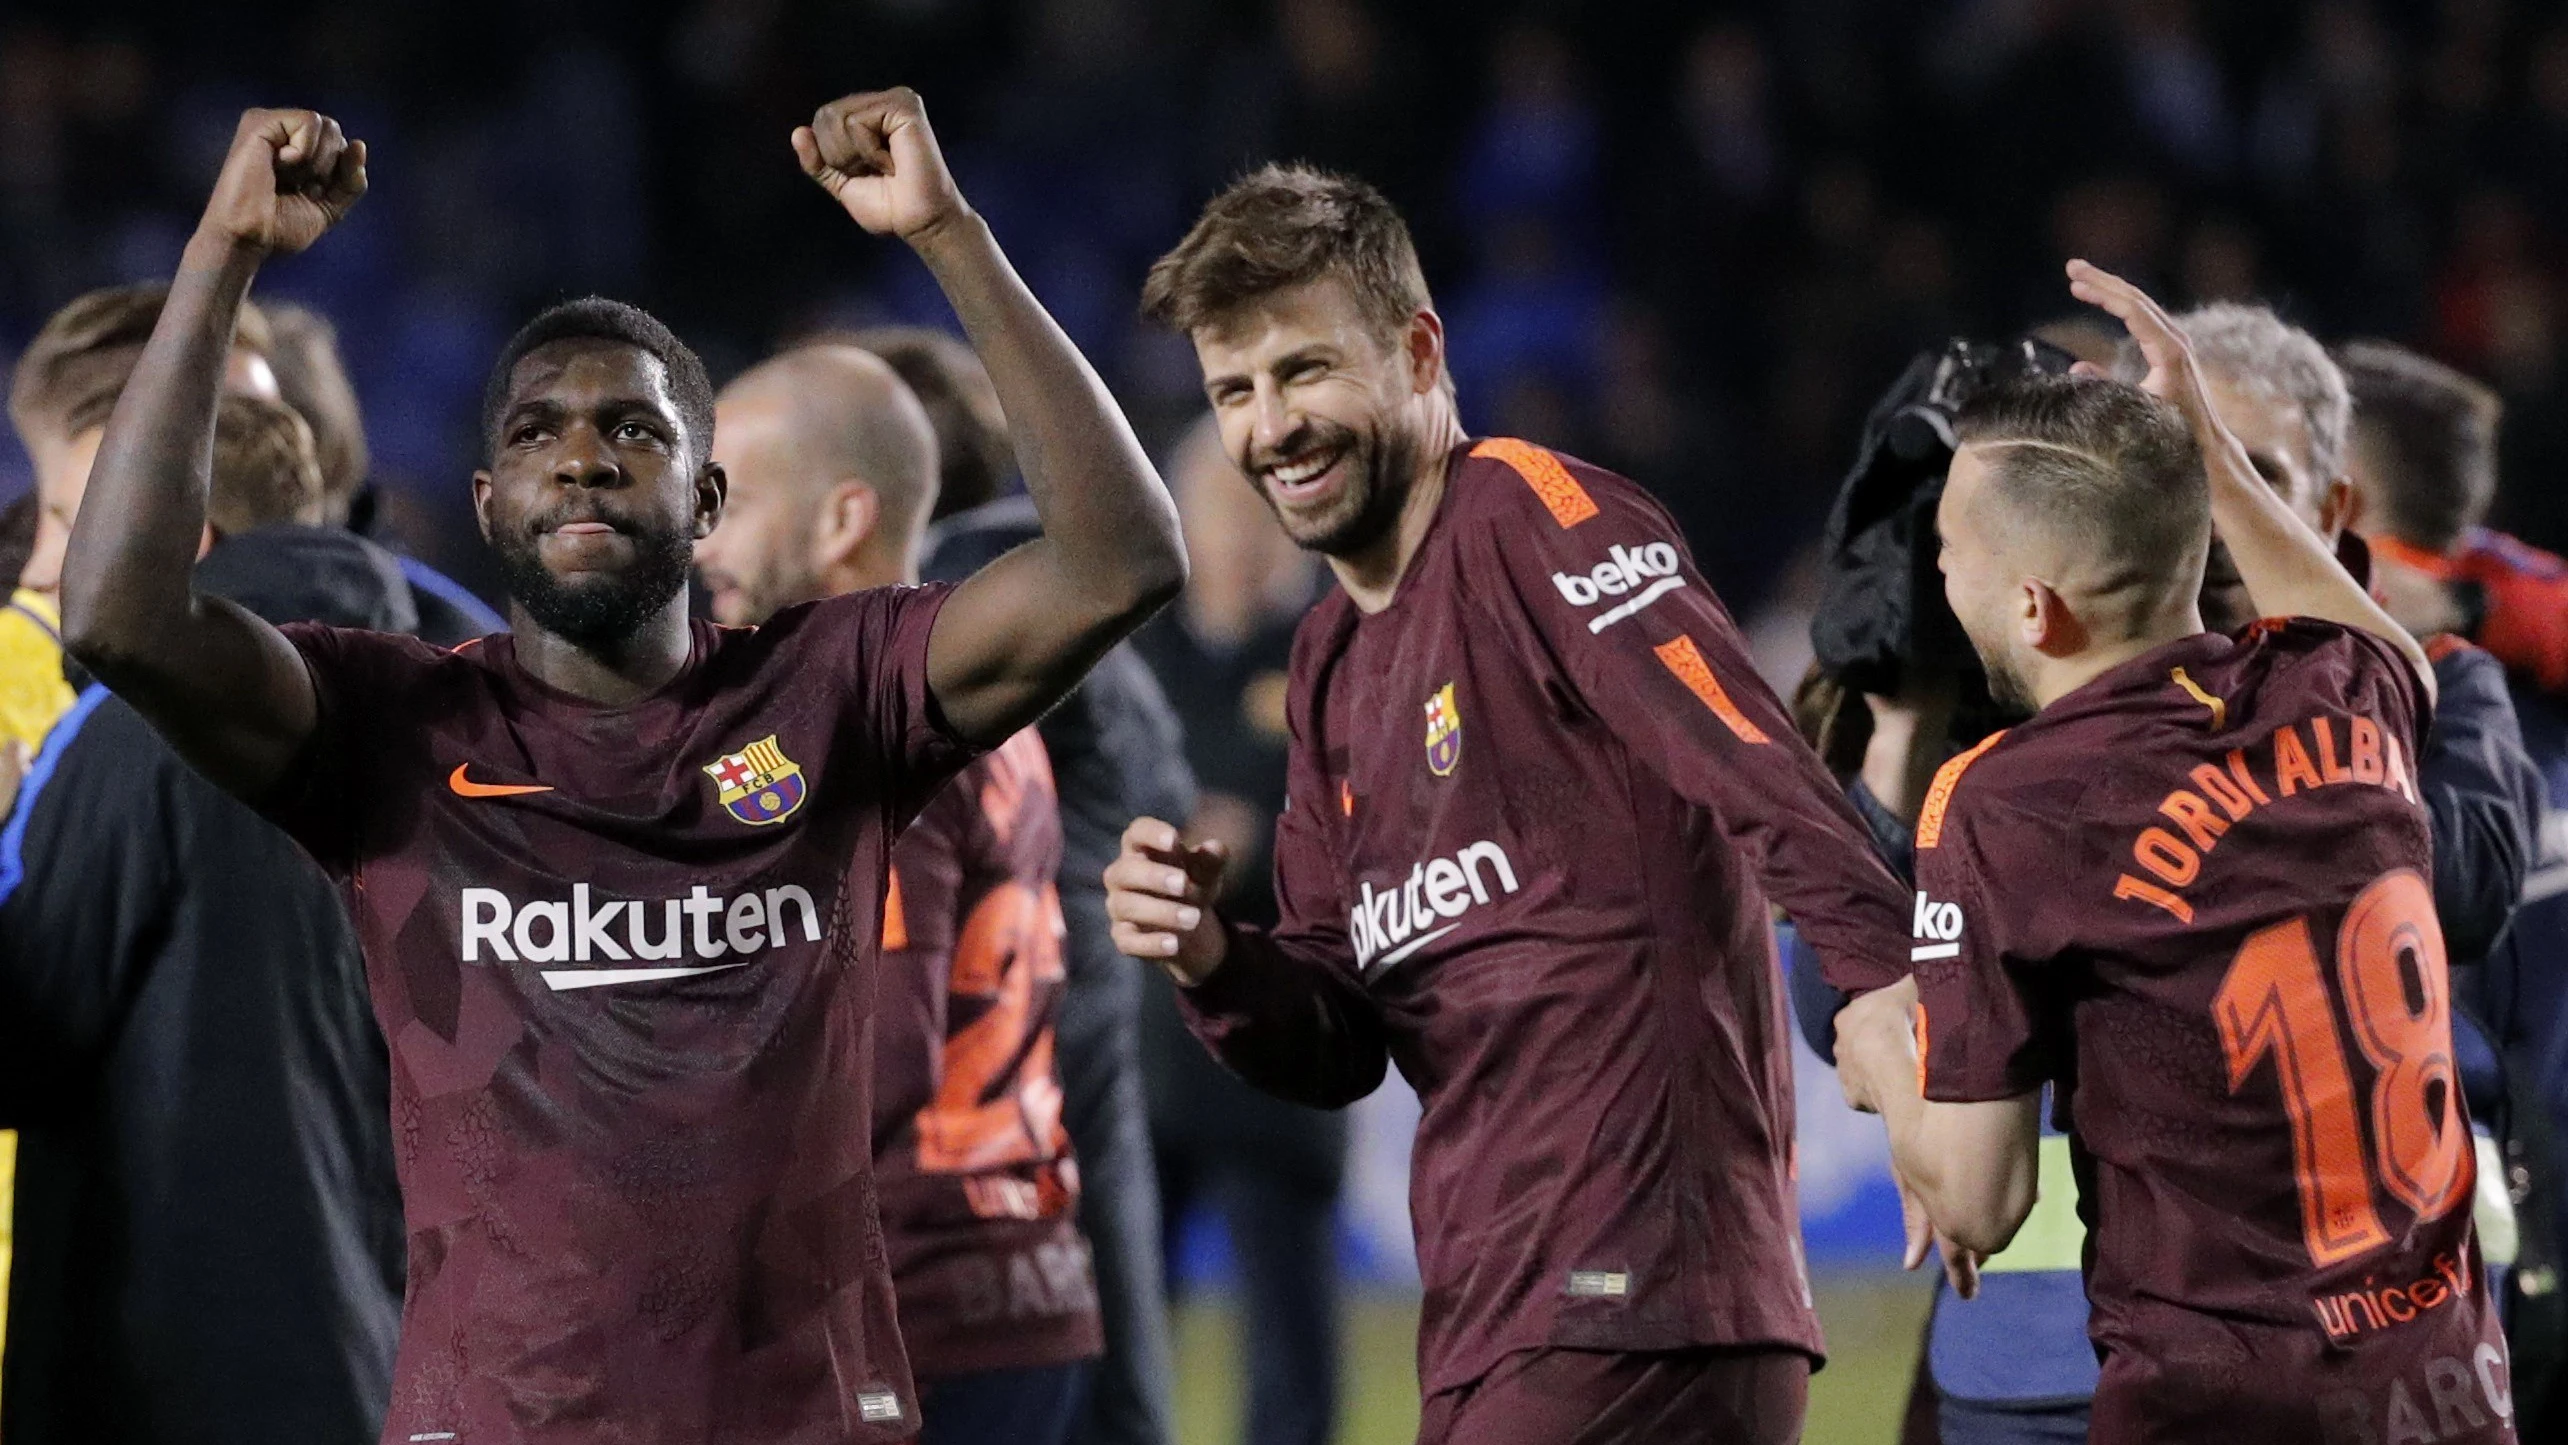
{"type": "Point", "coordinates": [32, 697]}
{"type": "Point", "coordinates": [2053, 1237]}
{"type": "Point", "coordinates": [32, 692]}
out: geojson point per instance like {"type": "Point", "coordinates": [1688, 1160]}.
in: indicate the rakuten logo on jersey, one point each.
{"type": "Point", "coordinates": [1391, 925]}
{"type": "Point", "coordinates": [1648, 571]}
{"type": "Point", "coordinates": [1936, 929]}
{"type": "Point", "coordinates": [699, 926]}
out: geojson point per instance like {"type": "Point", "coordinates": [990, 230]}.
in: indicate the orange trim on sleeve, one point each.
{"type": "Point", "coordinates": [1921, 1048]}
{"type": "Point", "coordinates": [1939, 796]}
{"type": "Point", "coordinates": [1561, 493]}
{"type": "Point", "coordinates": [895, 924]}
{"type": "Point", "coordinates": [1686, 660]}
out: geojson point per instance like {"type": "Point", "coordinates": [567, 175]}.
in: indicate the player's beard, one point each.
{"type": "Point", "coordinates": [2007, 686]}
{"type": "Point", "coordinates": [1382, 467]}
{"type": "Point", "coordinates": [601, 608]}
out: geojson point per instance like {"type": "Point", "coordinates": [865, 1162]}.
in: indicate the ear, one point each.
{"type": "Point", "coordinates": [481, 503]}
{"type": "Point", "coordinates": [2048, 625]}
{"type": "Point", "coordinates": [844, 522]}
{"type": "Point", "coordinates": [712, 488]}
{"type": "Point", "coordinates": [1424, 344]}
{"type": "Point", "coordinates": [2340, 508]}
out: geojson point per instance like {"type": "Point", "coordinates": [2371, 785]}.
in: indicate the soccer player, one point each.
{"type": "Point", "coordinates": [1537, 802]}
{"type": "Point", "coordinates": [618, 875]}
{"type": "Point", "coordinates": [2192, 891]}
{"type": "Point", "coordinates": [833, 472]}
{"type": "Point", "coordinates": [1116, 754]}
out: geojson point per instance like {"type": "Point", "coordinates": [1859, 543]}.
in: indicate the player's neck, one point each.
{"type": "Point", "coordinates": [2062, 676]}
{"type": "Point", "coordinates": [1372, 577]}
{"type": "Point", "coordinates": [626, 670]}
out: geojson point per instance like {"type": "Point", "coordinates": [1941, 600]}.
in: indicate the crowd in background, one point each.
{"type": "Point", "coordinates": [1690, 242]}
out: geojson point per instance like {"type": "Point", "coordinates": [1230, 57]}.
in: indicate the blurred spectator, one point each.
{"type": "Point", "coordinates": [222, 1261]}
{"type": "Point", "coordinates": [1115, 756]}
{"type": "Point", "coordinates": [1270, 1170]}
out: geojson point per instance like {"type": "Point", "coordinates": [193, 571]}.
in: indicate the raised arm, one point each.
{"type": "Point", "coordinates": [227, 690]}
{"type": "Point", "coordinates": [1020, 633]}
{"type": "Point", "coordinates": [2289, 572]}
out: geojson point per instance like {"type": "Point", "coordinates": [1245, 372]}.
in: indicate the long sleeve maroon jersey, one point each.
{"type": "Point", "coordinates": [1537, 806]}
{"type": "Point", "coordinates": [2196, 893]}
{"type": "Point", "coordinates": [971, 1159]}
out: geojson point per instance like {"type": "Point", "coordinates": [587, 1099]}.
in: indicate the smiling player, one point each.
{"type": "Point", "coordinates": [618, 877]}
{"type": "Point", "coordinates": [1537, 802]}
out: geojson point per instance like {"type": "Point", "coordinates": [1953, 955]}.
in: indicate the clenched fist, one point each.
{"type": "Point", "coordinates": [290, 176]}
{"type": "Point", "coordinates": [875, 153]}
{"type": "Point", "coordinates": [1160, 893]}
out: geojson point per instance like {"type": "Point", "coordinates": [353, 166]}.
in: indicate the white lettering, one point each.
{"type": "Point", "coordinates": [2491, 1362]}
{"type": "Point", "coordinates": [671, 935]}
{"type": "Point", "coordinates": [486, 921]}
{"type": "Point", "coordinates": [1445, 885]}
{"type": "Point", "coordinates": [1624, 570]}
{"type": "Point", "coordinates": [1389, 924]}
{"type": "Point", "coordinates": [744, 924]}
{"type": "Point", "coordinates": [592, 936]}
{"type": "Point", "coordinates": [702, 906]}
{"type": "Point", "coordinates": [794, 893]}
{"type": "Point", "coordinates": [557, 935]}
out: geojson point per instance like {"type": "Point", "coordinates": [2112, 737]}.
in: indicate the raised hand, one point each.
{"type": "Point", "coordinates": [876, 154]}
{"type": "Point", "coordinates": [290, 176]}
{"type": "Point", "coordinates": [1160, 893]}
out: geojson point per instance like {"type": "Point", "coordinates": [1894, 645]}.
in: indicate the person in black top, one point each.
{"type": "Point", "coordinates": [1272, 1169]}
{"type": "Point", "coordinates": [209, 1232]}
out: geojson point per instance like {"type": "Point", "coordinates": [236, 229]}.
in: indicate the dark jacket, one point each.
{"type": "Point", "coordinates": [209, 1240]}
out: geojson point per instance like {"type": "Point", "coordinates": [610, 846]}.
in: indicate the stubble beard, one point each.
{"type": "Point", "coordinates": [606, 609]}
{"type": "Point", "coordinates": [1383, 470]}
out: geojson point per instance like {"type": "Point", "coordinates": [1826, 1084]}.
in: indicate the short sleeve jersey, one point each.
{"type": "Point", "coordinates": [625, 961]}
{"type": "Point", "coordinates": [979, 1191]}
{"type": "Point", "coordinates": [2197, 894]}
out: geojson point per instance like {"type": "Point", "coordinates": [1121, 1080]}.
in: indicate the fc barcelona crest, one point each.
{"type": "Point", "coordinates": [758, 784]}
{"type": "Point", "coordinates": [1444, 732]}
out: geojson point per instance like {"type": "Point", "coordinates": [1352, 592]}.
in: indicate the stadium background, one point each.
{"type": "Point", "coordinates": [1688, 241]}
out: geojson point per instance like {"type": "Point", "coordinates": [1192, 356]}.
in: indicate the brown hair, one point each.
{"type": "Point", "coordinates": [1282, 226]}
{"type": "Point", "coordinates": [973, 455]}
{"type": "Point", "coordinates": [2104, 467]}
{"type": "Point", "coordinates": [265, 468]}
{"type": "Point", "coordinates": [314, 382]}
{"type": "Point", "coordinates": [2431, 434]}
{"type": "Point", "coordinates": [71, 373]}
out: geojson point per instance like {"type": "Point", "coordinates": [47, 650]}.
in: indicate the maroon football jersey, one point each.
{"type": "Point", "coordinates": [625, 960]}
{"type": "Point", "coordinates": [2197, 893]}
{"type": "Point", "coordinates": [977, 1183]}
{"type": "Point", "coordinates": [1537, 807]}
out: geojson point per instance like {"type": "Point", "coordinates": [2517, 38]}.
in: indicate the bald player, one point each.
{"type": "Point", "coordinates": [833, 469]}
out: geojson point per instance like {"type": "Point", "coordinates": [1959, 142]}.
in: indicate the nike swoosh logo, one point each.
{"type": "Point", "coordinates": [466, 788]}
{"type": "Point", "coordinates": [562, 980]}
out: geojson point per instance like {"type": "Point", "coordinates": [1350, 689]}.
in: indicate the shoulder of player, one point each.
{"type": "Point", "coordinates": [1508, 484]}
{"type": "Point", "coordinates": [390, 658]}
{"type": "Point", "coordinates": [2022, 776]}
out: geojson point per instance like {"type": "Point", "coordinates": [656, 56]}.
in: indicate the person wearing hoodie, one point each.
{"type": "Point", "coordinates": [209, 1231]}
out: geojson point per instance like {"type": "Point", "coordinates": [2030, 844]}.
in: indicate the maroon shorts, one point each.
{"type": "Point", "coordinates": [1591, 1397]}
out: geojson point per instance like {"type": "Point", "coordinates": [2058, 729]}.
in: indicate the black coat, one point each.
{"type": "Point", "coordinates": [209, 1242]}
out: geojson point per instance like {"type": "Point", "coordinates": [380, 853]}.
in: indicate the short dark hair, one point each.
{"type": "Point", "coordinates": [68, 378]}
{"type": "Point", "coordinates": [2102, 465]}
{"type": "Point", "coordinates": [973, 455]}
{"type": "Point", "coordinates": [597, 318]}
{"type": "Point", "coordinates": [1281, 226]}
{"type": "Point", "coordinates": [2432, 433]}
{"type": "Point", "coordinates": [265, 467]}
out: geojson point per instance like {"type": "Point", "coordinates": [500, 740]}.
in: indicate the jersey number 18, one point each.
{"type": "Point", "coordinates": [2395, 993]}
